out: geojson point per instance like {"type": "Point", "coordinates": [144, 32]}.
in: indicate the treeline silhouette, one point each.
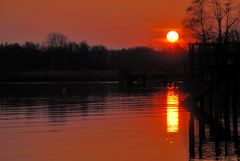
{"type": "Point", "coordinates": [58, 59]}
{"type": "Point", "coordinates": [73, 56]}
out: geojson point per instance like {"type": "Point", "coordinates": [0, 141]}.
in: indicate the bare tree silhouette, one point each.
{"type": "Point", "coordinates": [197, 20]}
{"type": "Point", "coordinates": [213, 20]}
{"type": "Point", "coordinates": [56, 40]}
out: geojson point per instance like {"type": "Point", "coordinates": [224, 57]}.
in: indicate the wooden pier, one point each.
{"type": "Point", "coordinates": [214, 71]}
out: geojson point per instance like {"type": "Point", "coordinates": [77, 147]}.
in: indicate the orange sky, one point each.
{"type": "Point", "coordinates": [113, 23]}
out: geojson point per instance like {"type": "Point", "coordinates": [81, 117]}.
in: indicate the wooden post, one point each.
{"type": "Point", "coordinates": [191, 137]}
{"type": "Point", "coordinates": [201, 119]}
{"type": "Point", "coordinates": [226, 110]}
{"type": "Point", "coordinates": [235, 116]}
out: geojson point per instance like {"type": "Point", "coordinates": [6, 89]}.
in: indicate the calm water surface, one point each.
{"type": "Point", "coordinates": [96, 122]}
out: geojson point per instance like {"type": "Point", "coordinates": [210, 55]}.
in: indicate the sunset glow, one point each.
{"type": "Point", "coordinates": [115, 24]}
{"type": "Point", "coordinates": [172, 36]}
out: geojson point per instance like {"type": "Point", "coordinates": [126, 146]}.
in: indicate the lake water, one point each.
{"type": "Point", "coordinates": [100, 122]}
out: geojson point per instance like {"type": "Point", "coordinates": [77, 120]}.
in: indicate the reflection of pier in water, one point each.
{"type": "Point", "coordinates": [214, 100]}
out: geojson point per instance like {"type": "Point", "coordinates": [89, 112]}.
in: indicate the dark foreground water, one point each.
{"type": "Point", "coordinates": [101, 122]}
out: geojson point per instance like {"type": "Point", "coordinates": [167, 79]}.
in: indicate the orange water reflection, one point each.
{"type": "Point", "coordinates": [96, 127]}
{"type": "Point", "coordinates": [172, 111]}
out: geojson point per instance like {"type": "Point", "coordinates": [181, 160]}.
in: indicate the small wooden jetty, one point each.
{"type": "Point", "coordinates": [148, 75]}
{"type": "Point", "coordinates": [213, 75]}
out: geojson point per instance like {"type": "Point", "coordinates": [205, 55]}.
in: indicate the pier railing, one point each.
{"type": "Point", "coordinates": [214, 54]}
{"type": "Point", "coordinates": [213, 62]}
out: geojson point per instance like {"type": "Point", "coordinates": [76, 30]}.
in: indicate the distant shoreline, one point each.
{"type": "Point", "coordinates": [60, 83]}
{"type": "Point", "coordinates": [51, 77]}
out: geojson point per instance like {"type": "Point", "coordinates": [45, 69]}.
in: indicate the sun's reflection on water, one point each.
{"type": "Point", "coordinates": [172, 111]}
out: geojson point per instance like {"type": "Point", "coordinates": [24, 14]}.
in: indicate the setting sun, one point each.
{"type": "Point", "coordinates": [172, 36]}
